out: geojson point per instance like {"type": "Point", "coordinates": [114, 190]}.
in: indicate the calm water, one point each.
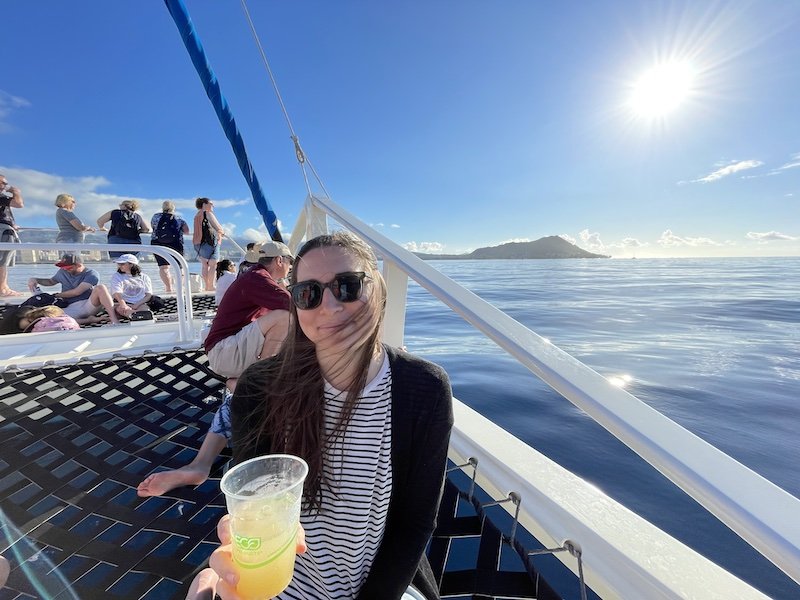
{"type": "Point", "coordinates": [712, 343]}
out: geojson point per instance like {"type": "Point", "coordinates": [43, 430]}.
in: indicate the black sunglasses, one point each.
{"type": "Point", "coordinates": [345, 287]}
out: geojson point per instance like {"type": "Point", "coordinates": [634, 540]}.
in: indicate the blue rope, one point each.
{"type": "Point", "coordinates": [195, 48]}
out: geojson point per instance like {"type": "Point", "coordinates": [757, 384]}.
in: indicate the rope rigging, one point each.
{"type": "Point", "coordinates": [302, 157]}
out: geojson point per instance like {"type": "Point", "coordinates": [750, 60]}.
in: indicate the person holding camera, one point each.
{"type": "Point", "coordinates": [10, 197]}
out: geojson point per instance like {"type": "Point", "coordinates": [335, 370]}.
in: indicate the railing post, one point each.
{"type": "Point", "coordinates": [396, 289]}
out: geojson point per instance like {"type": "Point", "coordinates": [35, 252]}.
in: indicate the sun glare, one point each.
{"type": "Point", "coordinates": [661, 90]}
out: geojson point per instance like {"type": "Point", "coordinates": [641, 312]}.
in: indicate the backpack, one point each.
{"type": "Point", "coordinates": [44, 299]}
{"type": "Point", "coordinates": [168, 230]}
{"type": "Point", "coordinates": [126, 225]}
{"type": "Point", "coordinates": [59, 323]}
{"type": "Point", "coordinates": [208, 236]}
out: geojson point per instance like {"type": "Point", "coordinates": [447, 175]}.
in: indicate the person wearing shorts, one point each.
{"type": "Point", "coordinates": [10, 197]}
{"type": "Point", "coordinates": [173, 242]}
{"type": "Point", "coordinates": [207, 236]}
{"type": "Point", "coordinates": [81, 287]}
{"type": "Point", "coordinates": [251, 323]}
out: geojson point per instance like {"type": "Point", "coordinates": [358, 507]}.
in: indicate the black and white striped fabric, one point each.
{"type": "Point", "coordinates": [343, 538]}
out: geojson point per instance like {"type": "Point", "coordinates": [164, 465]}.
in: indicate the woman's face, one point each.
{"type": "Point", "coordinates": [333, 322]}
{"type": "Point", "coordinates": [24, 323]}
{"type": "Point", "coordinates": [70, 204]}
{"type": "Point", "coordinates": [124, 267]}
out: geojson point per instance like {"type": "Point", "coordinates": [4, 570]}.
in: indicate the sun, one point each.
{"type": "Point", "coordinates": [661, 90]}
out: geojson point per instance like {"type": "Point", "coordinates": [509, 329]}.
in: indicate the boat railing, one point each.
{"type": "Point", "coordinates": [760, 512]}
{"type": "Point", "coordinates": [180, 269]}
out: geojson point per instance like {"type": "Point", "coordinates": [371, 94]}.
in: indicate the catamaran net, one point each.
{"type": "Point", "coordinates": [78, 439]}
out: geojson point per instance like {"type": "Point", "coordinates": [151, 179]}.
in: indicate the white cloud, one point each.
{"type": "Point", "coordinates": [628, 243]}
{"type": "Point", "coordinates": [39, 191]}
{"type": "Point", "coordinates": [8, 104]}
{"type": "Point", "coordinates": [515, 241]}
{"type": "Point", "coordinates": [670, 240]}
{"type": "Point", "coordinates": [256, 234]}
{"type": "Point", "coordinates": [567, 237]}
{"type": "Point", "coordinates": [633, 243]}
{"type": "Point", "coordinates": [394, 226]}
{"type": "Point", "coordinates": [793, 163]}
{"type": "Point", "coordinates": [229, 229]}
{"type": "Point", "coordinates": [427, 247]}
{"type": "Point", "coordinates": [769, 236]}
{"type": "Point", "coordinates": [591, 241]}
{"type": "Point", "coordinates": [729, 169]}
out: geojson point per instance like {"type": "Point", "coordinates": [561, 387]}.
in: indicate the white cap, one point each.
{"type": "Point", "coordinates": [127, 258]}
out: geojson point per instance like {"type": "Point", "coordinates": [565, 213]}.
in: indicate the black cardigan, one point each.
{"type": "Point", "coordinates": [422, 417]}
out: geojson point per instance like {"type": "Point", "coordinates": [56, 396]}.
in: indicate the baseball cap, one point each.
{"type": "Point", "coordinates": [267, 250]}
{"type": "Point", "coordinates": [127, 258]}
{"type": "Point", "coordinates": [68, 260]}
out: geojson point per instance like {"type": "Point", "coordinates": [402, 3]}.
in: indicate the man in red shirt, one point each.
{"type": "Point", "coordinates": [252, 321]}
{"type": "Point", "coordinates": [253, 318]}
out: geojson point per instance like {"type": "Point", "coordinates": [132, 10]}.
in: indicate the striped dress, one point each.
{"type": "Point", "coordinates": [344, 536]}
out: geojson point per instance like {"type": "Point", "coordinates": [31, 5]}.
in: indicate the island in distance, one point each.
{"type": "Point", "coordinates": [547, 247]}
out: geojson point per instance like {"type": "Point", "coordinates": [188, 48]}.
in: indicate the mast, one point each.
{"type": "Point", "coordinates": [195, 48]}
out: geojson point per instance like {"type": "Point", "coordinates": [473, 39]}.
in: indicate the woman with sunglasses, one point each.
{"type": "Point", "coordinates": [373, 424]}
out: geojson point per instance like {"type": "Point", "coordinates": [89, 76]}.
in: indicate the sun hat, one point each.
{"type": "Point", "coordinates": [68, 260]}
{"type": "Point", "coordinates": [127, 258]}
{"type": "Point", "coordinates": [268, 249]}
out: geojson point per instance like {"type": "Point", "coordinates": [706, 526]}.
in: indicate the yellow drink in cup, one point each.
{"type": "Point", "coordinates": [263, 497]}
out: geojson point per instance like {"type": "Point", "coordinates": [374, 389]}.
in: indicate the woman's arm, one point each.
{"type": "Point", "coordinates": [41, 281]}
{"type": "Point", "coordinates": [104, 218]}
{"type": "Point", "coordinates": [115, 289]}
{"type": "Point", "coordinates": [142, 302]}
{"type": "Point", "coordinates": [143, 226]}
{"type": "Point", "coordinates": [212, 220]}
{"type": "Point", "coordinates": [120, 306]}
{"type": "Point", "coordinates": [76, 223]}
{"type": "Point", "coordinates": [148, 292]}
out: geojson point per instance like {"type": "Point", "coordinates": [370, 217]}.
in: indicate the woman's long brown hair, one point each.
{"type": "Point", "coordinates": [290, 387]}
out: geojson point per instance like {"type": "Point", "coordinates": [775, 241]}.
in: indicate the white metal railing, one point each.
{"type": "Point", "coordinates": [183, 292]}
{"type": "Point", "coordinates": [764, 515]}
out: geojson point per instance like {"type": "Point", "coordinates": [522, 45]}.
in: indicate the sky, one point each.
{"type": "Point", "coordinates": [647, 129]}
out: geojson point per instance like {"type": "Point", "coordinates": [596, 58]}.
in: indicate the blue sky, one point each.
{"type": "Point", "coordinates": [448, 124]}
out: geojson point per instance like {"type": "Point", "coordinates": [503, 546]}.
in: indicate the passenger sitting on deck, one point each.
{"type": "Point", "coordinates": [251, 323]}
{"type": "Point", "coordinates": [24, 319]}
{"type": "Point", "coordinates": [244, 265]}
{"type": "Point", "coordinates": [130, 288]}
{"type": "Point", "coordinates": [372, 422]}
{"type": "Point", "coordinates": [81, 287]}
{"type": "Point", "coordinates": [226, 275]}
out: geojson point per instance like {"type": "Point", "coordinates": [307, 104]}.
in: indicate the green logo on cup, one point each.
{"type": "Point", "coordinates": [246, 543]}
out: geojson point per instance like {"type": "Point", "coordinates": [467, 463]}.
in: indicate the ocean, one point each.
{"type": "Point", "coordinates": [714, 344]}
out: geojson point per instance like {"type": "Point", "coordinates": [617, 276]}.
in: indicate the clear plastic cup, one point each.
{"type": "Point", "coordinates": [263, 496]}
